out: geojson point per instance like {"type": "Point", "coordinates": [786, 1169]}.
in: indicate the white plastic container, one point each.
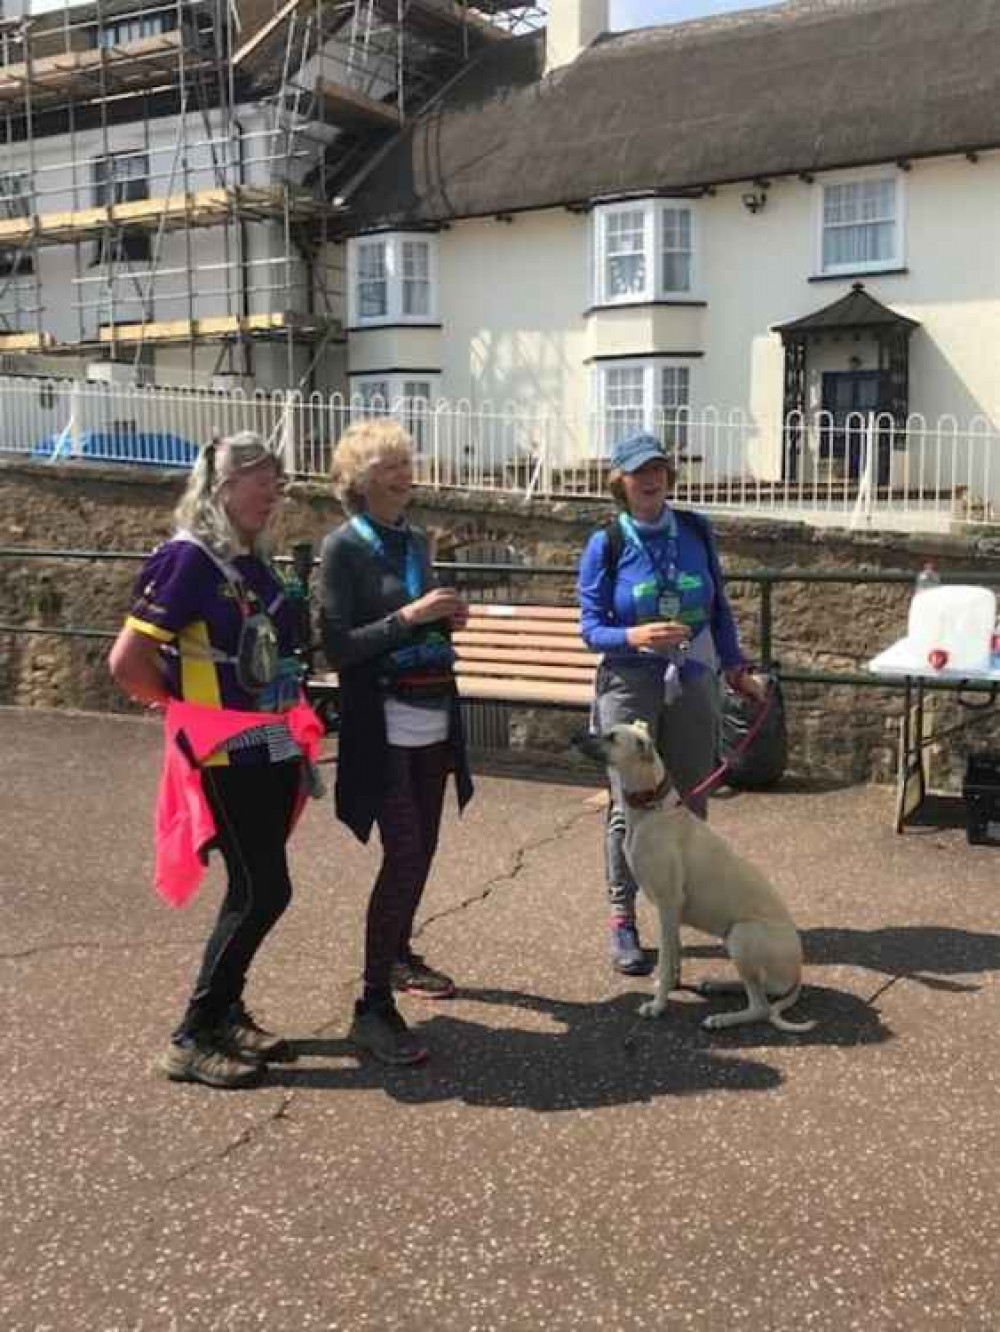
{"type": "Point", "coordinates": [951, 628]}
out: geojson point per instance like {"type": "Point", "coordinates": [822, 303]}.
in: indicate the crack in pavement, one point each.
{"type": "Point", "coordinates": [243, 1139]}
{"type": "Point", "coordinates": [519, 861]}
{"type": "Point", "coordinates": [97, 945]}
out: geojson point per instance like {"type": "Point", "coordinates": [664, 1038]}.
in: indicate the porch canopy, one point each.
{"type": "Point", "coordinates": [861, 314]}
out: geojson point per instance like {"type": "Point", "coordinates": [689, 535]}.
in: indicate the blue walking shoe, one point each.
{"type": "Point", "coordinates": [626, 951]}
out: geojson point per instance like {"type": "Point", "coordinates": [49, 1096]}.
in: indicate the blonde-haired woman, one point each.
{"type": "Point", "coordinates": [386, 630]}
{"type": "Point", "coordinates": [211, 639]}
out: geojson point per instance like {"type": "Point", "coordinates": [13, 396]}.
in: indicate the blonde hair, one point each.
{"type": "Point", "coordinates": [202, 508]}
{"type": "Point", "coordinates": [361, 448]}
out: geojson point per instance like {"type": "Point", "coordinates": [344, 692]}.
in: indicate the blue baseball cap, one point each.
{"type": "Point", "coordinates": [634, 452]}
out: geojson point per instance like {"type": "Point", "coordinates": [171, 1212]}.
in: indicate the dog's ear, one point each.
{"type": "Point", "coordinates": [643, 729]}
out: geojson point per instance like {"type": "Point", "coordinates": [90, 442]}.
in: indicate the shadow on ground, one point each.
{"type": "Point", "coordinates": [927, 954]}
{"type": "Point", "coordinates": [594, 1055]}
{"type": "Point", "coordinates": [910, 951]}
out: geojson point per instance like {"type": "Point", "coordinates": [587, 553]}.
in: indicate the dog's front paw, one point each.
{"type": "Point", "coordinates": [652, 1008]}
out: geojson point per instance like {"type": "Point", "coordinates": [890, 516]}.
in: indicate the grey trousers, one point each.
{"type": "Point", "coordinates": [686, 734]}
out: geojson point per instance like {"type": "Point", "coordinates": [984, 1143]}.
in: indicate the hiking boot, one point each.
{"type": "Point", "coordinates": [380, 1031]}
{"type": "Point", "coordinates": [626, 951]}
{"type": "Point", "coordinates": [413, 976]}
{"type": "Point", "coordinates": [210, 1057]}
{"type": "Point", "coordinates": [253, 1040]}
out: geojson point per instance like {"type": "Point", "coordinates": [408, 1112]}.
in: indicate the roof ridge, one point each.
{"type": "Point", "coordinates": [781, 14]}
{"type": "Point", "coordinates": [805, 87]}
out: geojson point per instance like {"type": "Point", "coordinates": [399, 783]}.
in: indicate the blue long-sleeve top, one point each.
{"type": "Point", "coordinates": [612, 604]}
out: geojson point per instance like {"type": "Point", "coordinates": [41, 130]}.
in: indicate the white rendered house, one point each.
{"type": "Point", "coordinates": [783, 212]}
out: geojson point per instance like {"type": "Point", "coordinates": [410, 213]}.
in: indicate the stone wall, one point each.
{"type": "Point", "coordinates": [838, 733]}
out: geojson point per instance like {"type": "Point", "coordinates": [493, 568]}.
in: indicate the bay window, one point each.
{"type": "Point", "coordinates": [408, 397]}
{"type": "Point", "coordinates": [651, 394]}
{"type": "Point", "coordinates": [392, 279]}
{"type": "Point", "coordinates": [643, 252]}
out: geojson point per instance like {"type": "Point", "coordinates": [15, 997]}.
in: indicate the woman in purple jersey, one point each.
{"type": "Point", "coordinates": [211, 626]}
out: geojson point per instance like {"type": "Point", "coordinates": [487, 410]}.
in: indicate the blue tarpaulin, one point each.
{"type": "Point", "coordinates": [160, 449]}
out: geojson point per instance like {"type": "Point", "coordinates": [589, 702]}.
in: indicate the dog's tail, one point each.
{"type": "Point", "coordinates": [779, 1006]}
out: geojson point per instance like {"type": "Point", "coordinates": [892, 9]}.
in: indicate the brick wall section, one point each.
{"type": "Point", "coordinates": [839, 733]}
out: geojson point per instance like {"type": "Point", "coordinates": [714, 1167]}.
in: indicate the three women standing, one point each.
{"type": "Point", "coordinates": [653, 603]}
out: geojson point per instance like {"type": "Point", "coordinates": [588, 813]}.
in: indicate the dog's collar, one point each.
{"type": "Point", "coordinates": [647, 799]}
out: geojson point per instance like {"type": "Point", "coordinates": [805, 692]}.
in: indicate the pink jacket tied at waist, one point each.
{"type": "Point", "coordinates": [185, 825]}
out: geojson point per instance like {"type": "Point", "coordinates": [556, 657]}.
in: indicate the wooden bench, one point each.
{"type": "Point", "coordinates": [511, 654]}
{"type": "Point", "coordinates": [524, 654]}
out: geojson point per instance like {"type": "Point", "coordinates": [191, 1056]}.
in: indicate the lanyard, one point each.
{"type": "Point", "coordinates": [662, 555]}
{"type": "Point", "coordinates": [413, 576]}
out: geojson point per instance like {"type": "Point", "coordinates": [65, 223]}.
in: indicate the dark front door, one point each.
{"type": "Point", "coordinates": [848, 399]}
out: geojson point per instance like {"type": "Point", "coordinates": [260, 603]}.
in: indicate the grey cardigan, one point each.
{"type": "Point", "coordinates": [360, 595]}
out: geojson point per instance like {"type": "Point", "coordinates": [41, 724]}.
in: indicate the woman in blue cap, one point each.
{"type": "Point", "coordinates": [653, 603]}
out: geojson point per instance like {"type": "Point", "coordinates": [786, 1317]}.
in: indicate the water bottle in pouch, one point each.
{"type": "Point", "coordinates": [257, 655]}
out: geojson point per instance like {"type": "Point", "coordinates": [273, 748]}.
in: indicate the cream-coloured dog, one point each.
{"type": "Point", "coordinates": [693, 878]}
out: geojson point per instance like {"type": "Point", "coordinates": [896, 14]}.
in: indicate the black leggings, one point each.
{"type": "Point", "coordinates": [253, 807]}
{"type": "Point", "coordinates": [408, 822]}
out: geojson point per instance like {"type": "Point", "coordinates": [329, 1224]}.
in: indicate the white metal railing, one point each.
{"type": "Point", "coordinates": [862, 470]}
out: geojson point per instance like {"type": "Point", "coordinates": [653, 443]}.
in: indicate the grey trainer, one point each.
{"type": "Point", "coordinates": [211, 1058]}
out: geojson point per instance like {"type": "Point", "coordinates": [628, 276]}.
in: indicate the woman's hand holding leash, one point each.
{"type": "Point", "coordinates": [744, 682]}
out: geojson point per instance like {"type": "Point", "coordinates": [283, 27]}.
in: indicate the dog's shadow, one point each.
{"type": "Point", "coordinates": [588, 1055]}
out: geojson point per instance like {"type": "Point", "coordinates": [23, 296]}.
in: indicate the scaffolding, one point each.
{"type": "Point", "coordinates": [168, 168]}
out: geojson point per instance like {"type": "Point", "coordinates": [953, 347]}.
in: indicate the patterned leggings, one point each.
{"type": "Point", "coordinates": [408, 822]}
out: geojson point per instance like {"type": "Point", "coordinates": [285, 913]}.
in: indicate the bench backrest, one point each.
{"type": "Point", "coordinates": [524, 654]}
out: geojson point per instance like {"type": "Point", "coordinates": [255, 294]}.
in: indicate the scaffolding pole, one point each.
{"type": "Point", "coordinates": [336, 79]}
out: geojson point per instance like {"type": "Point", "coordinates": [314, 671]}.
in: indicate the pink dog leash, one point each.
{"type": "Point", "coordinates": [715, 777]}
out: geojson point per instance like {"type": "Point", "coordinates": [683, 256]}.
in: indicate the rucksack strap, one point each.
{"type": "Point", "coordinates": [615, 538]}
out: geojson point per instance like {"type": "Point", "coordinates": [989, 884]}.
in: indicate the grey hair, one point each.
{"type": "Point", "coordinates": [202, 509]}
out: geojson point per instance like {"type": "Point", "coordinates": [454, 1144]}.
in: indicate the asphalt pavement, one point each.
{"type": "Point", "coordinates": [559, 1163]}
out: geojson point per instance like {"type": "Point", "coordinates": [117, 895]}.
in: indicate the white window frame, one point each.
{"type": "Point", "coordinates": [654, 213]}
{"type": "Point", "coordinates": [127, 30]}
{"type": "Point", "coordinates": [371, 270]}
{"type": "Point", "coordinates": [397, 250]}
{"type": "Point", "coordinates": [898, 257]}
{"type": "Point", "coordinates": [650, 412]}
{"type": "Point", "coordinates": [413, 411]}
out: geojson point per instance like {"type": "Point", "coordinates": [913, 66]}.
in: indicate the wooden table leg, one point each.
{"type": "Point", "coordinates": [911, 778]}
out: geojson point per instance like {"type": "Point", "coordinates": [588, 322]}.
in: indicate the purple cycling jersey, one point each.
{"type": "Point", "coordinates": [183, 599]}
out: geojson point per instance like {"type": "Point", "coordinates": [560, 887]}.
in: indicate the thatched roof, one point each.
{"type": "Point", "coordinates": [805, 86]}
